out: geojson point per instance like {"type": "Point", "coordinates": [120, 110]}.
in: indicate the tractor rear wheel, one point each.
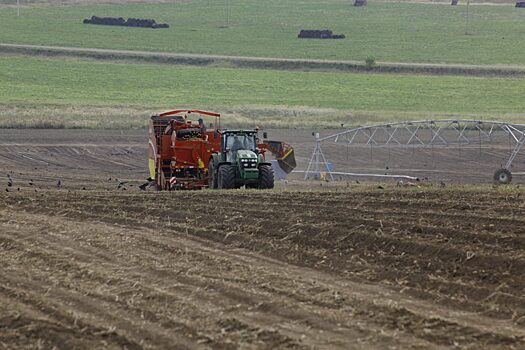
{"type": "Point", "coordinates": [226, 178]}
{"type": "Point", "coordinates": [266, 180]}
{"type": "Point", "coordinates": [503, 176]}
{"type": "Point", "coordinates": [212, 176]}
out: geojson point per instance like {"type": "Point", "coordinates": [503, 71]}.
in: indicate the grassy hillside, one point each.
{"type": "Point", "coordinates": [33, 90]}
{"type": "Point", "coordinates": [390, 31]}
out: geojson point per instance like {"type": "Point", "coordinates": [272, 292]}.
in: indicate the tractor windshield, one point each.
{"type": "Point", "coordinates": [240, 141]}
{"type": "Point", "coordinates": [236, 142]}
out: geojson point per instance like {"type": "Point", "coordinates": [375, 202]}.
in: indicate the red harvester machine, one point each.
{"type": "Point", "coordinates": [185, 154]}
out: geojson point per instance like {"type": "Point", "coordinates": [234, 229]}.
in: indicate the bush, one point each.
{"type": "Point", "coordinates": [370, 62]}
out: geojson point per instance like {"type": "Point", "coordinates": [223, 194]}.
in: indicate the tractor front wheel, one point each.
{"type": "Point", "coordinates": [226, 177]}
{"type": "Point", "coordinates": [266, 180]}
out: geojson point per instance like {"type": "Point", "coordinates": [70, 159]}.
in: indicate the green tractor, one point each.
{"type": "Point", "coordinates": [240, 162]}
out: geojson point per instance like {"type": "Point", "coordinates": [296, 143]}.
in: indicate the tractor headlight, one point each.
{"type": "Point", "coordinates": [247, 163]}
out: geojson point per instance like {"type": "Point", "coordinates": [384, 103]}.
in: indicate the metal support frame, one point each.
{"type": "Point", "coordinates": [442, 133]}
{"type": "Point", "coordinates": [515, 151]}
{"type": "Point", "coordinates": [317, 159]}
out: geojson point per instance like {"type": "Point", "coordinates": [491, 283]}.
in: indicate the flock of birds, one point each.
{"type": "Point", "coordinates": [124, 185]}
{"type": "Point", "coordinates": [121, 185]}
{"type": "Point", "coordinates": [10, 184]}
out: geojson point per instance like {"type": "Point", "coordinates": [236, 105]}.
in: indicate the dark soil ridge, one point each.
{"type": "Point", "coordinates": [264, 62]}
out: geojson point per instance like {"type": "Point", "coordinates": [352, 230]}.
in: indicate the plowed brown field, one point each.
{"type": "Point", "coordinates": [343, 268]}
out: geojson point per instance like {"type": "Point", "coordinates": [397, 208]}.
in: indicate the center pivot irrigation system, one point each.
{"type": "Point", "coordinates": [427, 134]}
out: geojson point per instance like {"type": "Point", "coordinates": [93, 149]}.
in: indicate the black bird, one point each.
{"type": "Point", "coordinates": [121, 184]}
{"type": "Point", "coordinates": [59, 183]}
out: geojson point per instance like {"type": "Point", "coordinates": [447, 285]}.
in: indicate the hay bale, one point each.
{"type": "Point", "coordinates": [139, 22]}
{"type": "Point", "coordinates": [110, 21]}
{"type": "Point", "coordinates": [326, 34]}
{"type": "Point", "coordinates": [315, 34]}
{"type": "Point", "coordinates": [115, 21]}
{"type": "Point", "coordinates": [360, 2]}
{"type": "Point", "coordinates": [305, 33]}
{"type": "Point", "coordinates": [319, 34]}
{"type": "Point", "coordinates": [131, 22]}
{"type": "Point", "coordinates": [520, 4]}
{"type": "Point", "coordinates": [95, 20]}
{"type": "Point", "coordinates": [161, 25]}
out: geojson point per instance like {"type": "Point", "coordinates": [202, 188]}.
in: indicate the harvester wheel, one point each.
{"type": "Point", "coordinates": [265, 177]}
{"type": "Point", "coordinates": [503, 176]}
{"type": "Point", "coordinates": [212, 176]}
{"type": "Point", "coordinates": [226, 178]}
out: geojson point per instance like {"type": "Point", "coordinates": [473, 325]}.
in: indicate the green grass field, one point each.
{"type": "Point", "coordinates": [83, 93]}
{"type": "Point", "coordinates": [404, 32]}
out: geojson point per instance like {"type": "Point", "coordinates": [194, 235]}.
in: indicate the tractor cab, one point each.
{"type": "Point", "coordinates": [238, 145]}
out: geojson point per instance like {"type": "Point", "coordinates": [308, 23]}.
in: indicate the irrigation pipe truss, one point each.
{"type": "Point", "coordinates": [438, 132]}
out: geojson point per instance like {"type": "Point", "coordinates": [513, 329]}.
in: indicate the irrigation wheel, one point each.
{"type": "Point", "coordinates": [503, 176]}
